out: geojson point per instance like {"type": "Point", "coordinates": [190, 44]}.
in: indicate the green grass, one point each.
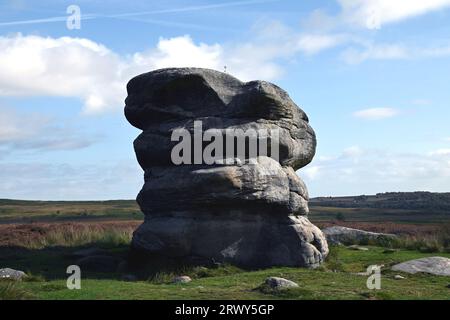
{"type": "Point", "coordinates": [10, 290]}
{"type": "Point", "coordinates": [45, 253]}
{"type": "Point", "coordinates": [229, 282]}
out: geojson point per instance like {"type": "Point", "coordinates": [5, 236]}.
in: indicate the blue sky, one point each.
{"type": "Point", "coordinates": [372, 75]}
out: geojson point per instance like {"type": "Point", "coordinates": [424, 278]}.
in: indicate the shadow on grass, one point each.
{"type": "Point", "coordinates": [51, 262]}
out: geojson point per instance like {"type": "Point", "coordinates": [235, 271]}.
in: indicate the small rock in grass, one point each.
{"type": "Point", "coordinates": [280, 283]}
{"type": "Point", "coordinates": [390, 251]}
{"type": "Point", "coordinates": [358, 248]}
{"type": "Point", "coordinates": [8, 273]}
{"type": "Point", "coordinates": [399, 277]}
{"type": "Point", "coordinates": [182, 279]}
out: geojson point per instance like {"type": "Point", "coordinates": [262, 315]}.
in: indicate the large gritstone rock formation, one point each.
{"type": "Point", "coordinates": [248, 213]}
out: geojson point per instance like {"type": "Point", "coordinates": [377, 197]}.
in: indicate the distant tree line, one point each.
{"type": "Point", "coordinates": [391, 200]}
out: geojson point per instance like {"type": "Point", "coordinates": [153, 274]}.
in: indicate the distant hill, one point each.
{"type": "Point", "coordinates": [413, 207]}
{"type": "Point", "coordinates": [391, 200]}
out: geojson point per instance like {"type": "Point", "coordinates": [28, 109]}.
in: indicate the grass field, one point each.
{"type": "Point", "coordinates": [41, 237]}
{"type": "Point", "coordinates": [20, 211]}
{"type": "Point", "coordinates": [232, 283]}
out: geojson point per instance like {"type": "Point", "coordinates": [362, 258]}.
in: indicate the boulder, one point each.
{"type": "Point", "coordinates": [11, 274]}
{"type": "Point", "coordinates": [276, 283]}
{"type": "Point", "coordinates": [162, 100]}
{"type": "Point", "coordinates": [182, 279]}
{"type": "Point", "coordinates": [236, 238]}
{"type": "Point", "coordinates": [248, 209]}
{"type": "Point", "coordinates": [439, 266]}
{"type": "Point", "coordinates": [342, 235]}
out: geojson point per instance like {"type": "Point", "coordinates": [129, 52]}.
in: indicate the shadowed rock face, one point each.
{"type": "Point", "coordinates": [249, 214]}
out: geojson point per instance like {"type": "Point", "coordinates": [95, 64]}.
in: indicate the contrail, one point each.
{"type": "Point", "coordinates": [45, 20]}
{"type": "Point", "coordinates": [175, 24]}
{"type": "Point", "coordinates": [193, 8]}
{"type": "Point", "coordinates": [134, 14]}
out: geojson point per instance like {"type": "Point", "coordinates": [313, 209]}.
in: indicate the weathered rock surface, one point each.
{"type": "Point", "coordinates": [276, 283]}
{"type": "Point", "coordinates": [434, 265]}
{"type": "Point", "coordinates": [247, 213]}
{"type": "Point", "coordinates": [342, 235]}
{"type": "Point", "coordinates": [162, 100]}
{"type": "Point", "coordinates": [182, 279]}
{"type": "Point", "coordinates": [8, 273]}
{"type": "Point", "coordinates": [263, 188]}
{"type": "Point", "coordinates": [237, 237]}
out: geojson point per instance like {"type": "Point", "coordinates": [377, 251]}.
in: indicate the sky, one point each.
{"type": "Point", "coordinates": [372, 75]}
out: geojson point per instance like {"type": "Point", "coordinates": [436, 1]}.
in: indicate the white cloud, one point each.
{"type": "Point", "coordinates": [318, 19]}
{"type": "Point", "coordinates": [34, 131]}
{"type": "Point", "coordinates": [353, 152]}
{"type": "Point", "coordinates": [63, 181]}
{"type": "Point", "coordinates": [389, 51]}
{"type": "Point", "coordinates": [314, 43]}
{"type": "Point", "coordinates": [379, 171]}
{"type": "Point", "coordinates": [179, 52]}
{"type": "Point", "coordinates": [375, 52]}
{"type": "Point", "coordinates": [311, 172]}
{"type": "Point", "coordinates": [373, 14]}
{"type": "Point", "coordinates": [440, 152]}
{"type": "Point", "coordinates": [435, 52]}
{"type": "Point", "coordinates": [12, 126]}
{"type": "Point", "coordinates": [73, 67]}
{"type": "Point", "coordinates": [421, 102]}
{"type": "Point", "coordinates": [76, 67]}
{"type": "Point", "coordinates": [376, 113]}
